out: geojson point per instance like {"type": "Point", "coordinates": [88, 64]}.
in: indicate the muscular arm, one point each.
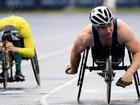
{"type": "Point", "coordinates": [83, 40]}
{"type": "Point", "coordinates": [133, 45]}
{"type": "Point", "coordinates": [134, 48]}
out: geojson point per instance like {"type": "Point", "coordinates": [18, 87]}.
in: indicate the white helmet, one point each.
{"type": "Point", "coordinates": [100, 16]}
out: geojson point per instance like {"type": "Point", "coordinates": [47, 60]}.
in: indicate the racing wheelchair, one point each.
{"type": "Point", "coordinates": [107, 69]}
{"type": "Point", "coordinates": [7, 63]}
{"type": "Point", "coordinates": [7, 58]}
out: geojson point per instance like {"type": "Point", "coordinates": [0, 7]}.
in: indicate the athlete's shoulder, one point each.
{"type": "Point", "coordinates": [17, 17]}
{"type": "Point", "coordinates": [120, 22]}
{"type": "Point", "coordinates": [13, 18]}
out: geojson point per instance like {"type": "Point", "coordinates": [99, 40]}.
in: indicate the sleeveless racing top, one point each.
{"type": "Point", "coordinates": [116, 50]}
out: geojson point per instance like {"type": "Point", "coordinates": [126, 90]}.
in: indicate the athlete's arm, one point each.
{"type": "Point", "coordinates": [28, 49]}
{"type": "Point", "coordinates": [127, 37]}
{"type": "Point", "coordinates": [83, 40]}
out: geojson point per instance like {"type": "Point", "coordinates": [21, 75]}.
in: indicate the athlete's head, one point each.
{"type": "Point", "coordinates": [101, 16]}
{"type": "Point", "coordinates": [10, 33]}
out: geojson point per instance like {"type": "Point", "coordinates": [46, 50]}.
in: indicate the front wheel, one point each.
{"type": "Point", "coordinates": [109, 77]}
{"type": "Point", "coordinates": [109, 88]}
{"type": "Point", "coordinates": [5, 78]}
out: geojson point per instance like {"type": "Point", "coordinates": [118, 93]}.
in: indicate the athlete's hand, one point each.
{"type": "Point", "coordinates": [68, 70]}
{"type": "Point", "coordinates": [127, 78]}
{"type": "Point", "coordinates": [10, 47]}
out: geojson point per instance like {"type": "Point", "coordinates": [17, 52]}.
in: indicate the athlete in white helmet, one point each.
{"type": "Point", "coordinates": [105, 31]}
{"type": "Point", "coordinates": [101, 16]}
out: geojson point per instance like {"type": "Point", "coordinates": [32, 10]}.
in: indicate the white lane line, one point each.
{"type": "Point", "coordinates": [49, 38]}
{"type": "Point", "coordinates": [55, 53]}
{"type": "Point", "coordinates": [7, 92]}
{"type": "Point", "coordinates": [50, 54]}
{"type": "Point", "coordinates": [43, 99]}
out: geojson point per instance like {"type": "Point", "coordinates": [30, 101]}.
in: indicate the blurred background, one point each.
{"type": "Point", "coordinates": [12, 5]}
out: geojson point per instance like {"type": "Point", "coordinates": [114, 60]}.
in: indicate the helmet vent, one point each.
{"type": "Point", "coordinates": [94, 22]}
{"type": "Point", "coordinates": [97, 19]}
{"type": "Point", "coordinates": [105, 12]}
{"type": "Point", "coordinates": [100, 11]}
{"type": "Point", "coordinates": [104, 18]}
{"type": "Point", "coordinates": [109, 12]}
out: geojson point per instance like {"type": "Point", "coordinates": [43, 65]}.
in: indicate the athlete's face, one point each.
{"type": "Point", "coordinates": [106, 31]}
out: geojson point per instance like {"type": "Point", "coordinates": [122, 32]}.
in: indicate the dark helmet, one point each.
{"type": "Point", "coordinates": [10, 33]}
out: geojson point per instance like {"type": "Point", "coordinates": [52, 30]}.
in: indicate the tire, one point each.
{"type": "Point", "coordinates": [109, 76]}
{"type": "Point", "coordinates": [109, 88]}
{"type": "Point", "coordinates": [81, 82]}
{"type": "Point", "coordinates": [4, 68]}
{"type": "Point", "coordinates": [35, 66]}
{"type": "Point", "coordinates": [136, 79]}
{"type": "Point", "coordinates": [5, 79]}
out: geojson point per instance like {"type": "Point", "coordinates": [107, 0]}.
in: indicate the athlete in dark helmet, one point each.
{"type": "Point", "coordinates": [17, 33]}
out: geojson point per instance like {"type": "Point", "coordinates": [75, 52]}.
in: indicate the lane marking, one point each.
{"type": "Point", "coordinates": [62, 50]}
{"type": "Point", "coordinates": [44, 98]}
{"type": "Point", "coordinates": [7, 92]}
{"type": "Point", "coordinates": [49, 38]}
{"type": "Point", "coordinates": [54, 53]}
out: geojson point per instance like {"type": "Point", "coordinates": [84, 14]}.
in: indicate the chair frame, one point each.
{"type": "Point", "coordinates": [109, 70]}
{"type": "Point", "coordinates": [7, 65]}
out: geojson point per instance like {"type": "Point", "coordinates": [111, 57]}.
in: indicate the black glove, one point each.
{"type": "Point", "coordinates": [122, 83]}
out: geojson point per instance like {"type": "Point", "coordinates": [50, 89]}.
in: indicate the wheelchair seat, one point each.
{"type": "Point", "coordinates": [100, 59]}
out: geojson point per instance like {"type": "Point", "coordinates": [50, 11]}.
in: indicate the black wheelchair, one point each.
{"type": "Point", "coordinates": [7, 67]}
{"type": "Point", "coordinates": [108, 70]}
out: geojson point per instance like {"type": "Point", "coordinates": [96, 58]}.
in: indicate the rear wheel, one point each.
{"type": "Point", "coordinates": [82, 72]}
{"type": "Point", "coordinates": [81, 81]}
{"type": "Point", "coordinates": [136, 79]}
{"type": "Point", "coordinates": [35, 66]}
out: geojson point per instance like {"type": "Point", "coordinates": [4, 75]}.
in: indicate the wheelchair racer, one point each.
{"type": "Point", "coordinates": [106, 32]}
{"type": "Point", "coordinates": [17, 33]}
